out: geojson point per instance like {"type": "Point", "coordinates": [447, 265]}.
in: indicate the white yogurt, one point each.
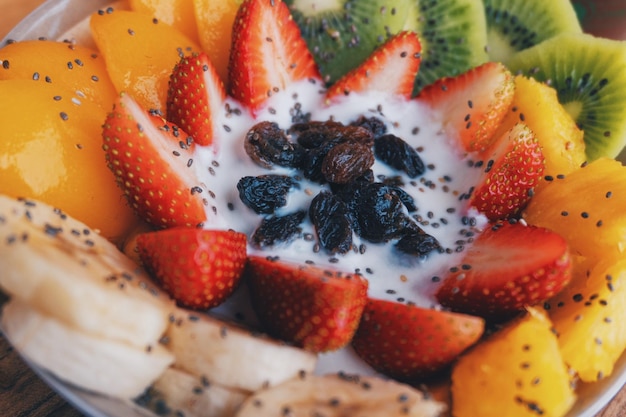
{"type": "Point", "coordinates": [438, 193]}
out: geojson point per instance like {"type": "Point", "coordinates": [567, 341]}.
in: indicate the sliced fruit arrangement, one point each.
{"type": "Point", "coordinates": [522, 364]}
{"type": "Point", "coordinates": [503, 270]}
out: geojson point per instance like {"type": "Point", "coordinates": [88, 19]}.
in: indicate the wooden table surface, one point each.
{"type": "Point", "coordinates": [24, 394]}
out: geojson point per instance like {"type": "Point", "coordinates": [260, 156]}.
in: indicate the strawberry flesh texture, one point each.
{"type": "Point", "coordinates": [410, 343]}
{"type": "Point", "coordinates": [473, 104]}
{"type": "Point", "coordinates": [513, 169]}
{"type": "Point", "coordinates": [199, 268]}
{"type": "Point", "coordinates": [509, 266]}
{"type": "Point", "coordinates": [195, 96]}
{"type": "Point", "coordinates": [391, 69]}
{"type": "Point", "coordinates": [150, 159]}
{"type": "Point", "coordinates": [316, 309]}
{"type": "Point", "coordinates": [268, 53]}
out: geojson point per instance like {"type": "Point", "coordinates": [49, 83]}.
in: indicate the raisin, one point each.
{"type": "Point", "coordinates": [379, 212]}
{"type": "Point", "coordinates": [373, 124]}
{"type": "Point", "coordinates": [418, 243]}
{"type": "Point", "coordinates": [313, 160]}
{"type": "Point", "coordinates": [346, 162]}
{"type": "Point", "coordinates": [398, 154]}
{"type": "Point", "coordinates": [265, 193]}
{"type": "Point", "coordinates": [278, 229]}
{"type": "Point", "coordinates": [407, 200]}
{"type": "Point", "coordinates": [330, 217]}
{"type": "Point", "coordinates": [335, 132]}
{"type": "Point", "coordinates": [268, 145]}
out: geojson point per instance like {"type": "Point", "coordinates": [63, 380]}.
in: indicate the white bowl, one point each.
{"type": "Point", "coordinates": [53, 20]}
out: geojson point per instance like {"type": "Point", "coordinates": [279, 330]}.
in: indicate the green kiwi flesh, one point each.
{"type": "Point", "coordinates": [341, 34]}
{"type": "Point", "coordinates": [514, 25]}
{"type": "Point", "coordinates": [588, 74]}
{"type": "Point", "coordinates": [453, 36]}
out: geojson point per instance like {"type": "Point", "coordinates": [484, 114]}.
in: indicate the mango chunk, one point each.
{"type": "Point", "coordinates": [517, 372]}
{"type": "Point", "coordinates": [140, 53]}
{"type": "Point", "coordinates": [586, 207]}
{"type": "Point", "coordinates": [590, 320]}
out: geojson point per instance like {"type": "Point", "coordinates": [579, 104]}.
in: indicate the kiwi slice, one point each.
{"type": "Point", "coordinates": [341, 34]}
{"type": "Point", "coordinates": [453, 36]}
{"type": "Point", "coordinates": [514, 25]}
{"type": "Point", "coordinates": [589, 76]}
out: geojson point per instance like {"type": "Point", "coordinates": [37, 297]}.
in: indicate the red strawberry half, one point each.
{"type": "Point", "coordinates": [509, 267]}
{"type": "Point", "coordinates": [195, 96]}
{"type": "Point", "coordinates": [268, 52]}
{"type": "Point", "coordinates": [314, 308]}
{"type": "Point", "coordinates": [392, 69]}
{"type": "Point", "coordinates": [410, 343]}
{"type": "Point", "coordinates": [472, 104]}
{"type": "Point", "coordinates": [152, 162]}
{"type": "Point", "coordinates": [511, 172]}
{"type": "Point", "coordinates": [199, 268]}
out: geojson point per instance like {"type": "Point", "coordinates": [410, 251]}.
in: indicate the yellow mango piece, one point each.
{"type": "Point", "coordinates": [51, 150]}
{"type": "Point", "coordinates": [590, 319]}
{"type": "Point", "coordinates": [586, 207]}
{"type": "Point", "coordinates": [71, 66]}
{"type": "Point", "coordinates": [140, 53]}
{"type": "Point", "coordinates": [215, 22]}
{"type": "Point", "coordinates": [177, 13]}
{"type": "Point", "coordinates": [536, 104]}
{"type": "Point", "coordinates": [517, 372]}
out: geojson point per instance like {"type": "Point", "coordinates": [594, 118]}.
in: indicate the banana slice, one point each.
{"type": "Point", "coordinates": [61, 267]}
{"type": "Point", "coordinates": [104, 366]}
{"type": "Point", "coordinates": [231, 356]}
{"type": "Point", "coordinates": [178, 393]}
{"type": "Point", "coordinates": [340, 395]}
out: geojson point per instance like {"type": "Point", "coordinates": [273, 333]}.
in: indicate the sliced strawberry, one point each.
{"type": "Point", "coordinates": [195, 97]}
{"type": "Point", "coordinates": [472, 104]}
{"type": "Point", "coordinates": [508, 267]}
{"type": "Point", "coordinates": [311, 307]}
{"type": "Point", "coordinates": [268, 52]}
{"type": "Point", "coordinates": [512, 170]}
{"type": "Point", "coordinates": [199, 268]}
{"type": "Point", "coordinates": [408, 342]}
{"type": "Point", "coordinates": [391, 68]}
{"type": "Point", "coordinates": [153, 164]}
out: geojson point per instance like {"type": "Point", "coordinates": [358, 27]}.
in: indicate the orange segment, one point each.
{"type": "Point", "coordinates": [215, 21]}
{"type": "Point", "coordinates": [140, 53]}
{"type": "Point", "coordinates": [71, 66]}
{"type": "Point", "coordinates": [177, 13]}
{"type": "Point", "coordinates": [51, 151]}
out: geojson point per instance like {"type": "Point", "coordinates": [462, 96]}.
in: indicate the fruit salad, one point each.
{"type": "Point", "coordinates": [311, 207]}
